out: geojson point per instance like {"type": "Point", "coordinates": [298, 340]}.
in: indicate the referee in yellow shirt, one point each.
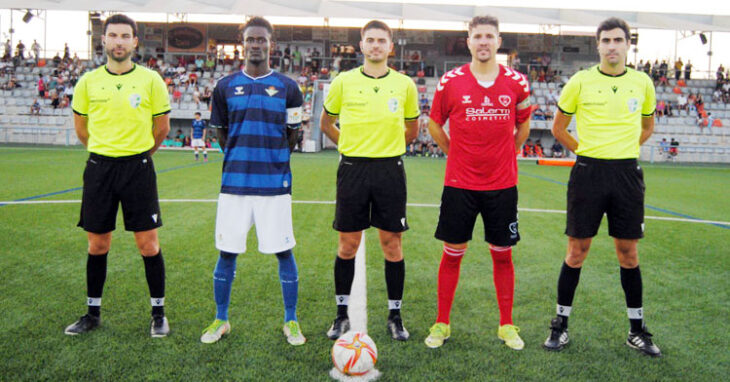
{"type": "Point", "coordinates": [121, 116]}
{"type": "Point", "coordinates": [614, 106]}
{"type": "Point", "coordinates": [373, 104]}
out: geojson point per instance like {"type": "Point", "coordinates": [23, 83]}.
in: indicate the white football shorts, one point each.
{"type": "Point", "coordinates": [197, 142]}
{"type": "Point", "coordinates": [271, 215]}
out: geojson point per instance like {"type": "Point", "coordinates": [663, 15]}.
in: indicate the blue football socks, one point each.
{"type": "Point", "coordinates": [223, 275]}
{"type": "Point", "coordinates": [289, 277]}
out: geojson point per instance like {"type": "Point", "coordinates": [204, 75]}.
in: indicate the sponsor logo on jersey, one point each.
{"type": "Point", "coordinates": [486, 114]}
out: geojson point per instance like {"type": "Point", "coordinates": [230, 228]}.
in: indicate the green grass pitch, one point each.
{"type": "Point", "coordinates": [686, 268]}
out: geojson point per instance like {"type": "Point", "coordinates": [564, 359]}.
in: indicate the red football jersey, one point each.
{"type": "Point", "coordinates": [482, 122]}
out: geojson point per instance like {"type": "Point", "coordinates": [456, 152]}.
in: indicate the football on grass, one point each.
{"type": "Point", "coordinates": [354, 353]}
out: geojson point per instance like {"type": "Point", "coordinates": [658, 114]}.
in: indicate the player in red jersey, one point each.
{"type": "Point", "coordinates": [488, 108]}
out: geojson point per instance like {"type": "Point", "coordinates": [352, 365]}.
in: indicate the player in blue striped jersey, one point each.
{"type": "Point", "coordinates": [197, 133]}
{"type": "Point", "coordinates": [256, 113]}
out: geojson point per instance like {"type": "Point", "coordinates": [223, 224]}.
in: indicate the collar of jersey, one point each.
{"type": "Point", "coordinates": [134, 66]}
{"type": "Point", "coordinates": [611, 75]}
{"type": "Point", "coordinates": [257, 78]}
{"type": "Point", "coordinates": [362, 71]}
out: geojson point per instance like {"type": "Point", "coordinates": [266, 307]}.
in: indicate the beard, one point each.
{"type": "Point", "coordinates": [110, 54]}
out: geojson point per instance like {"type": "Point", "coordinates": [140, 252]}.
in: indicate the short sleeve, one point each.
{"type": "Point", "coordinates": [294, 102]}
{"type": "Point", "coordinates": [333, 102]}
{"type": "Point", "coordinates": [411, 111]}
{"type": "Point", "coordinates": [649, 98]}
{"type": "Point", "coordinates": [524, 106]}
{"type": "Point", "coordinates": [439, 105]}
{"type": "Point", "coordinates": [568, 102]}
{"type": "Point", "coordinates": [219, 107]}
{"type": "Point", "coordinates": [160, 98]}
{"type": "Point", "coordinates": [80, 102]}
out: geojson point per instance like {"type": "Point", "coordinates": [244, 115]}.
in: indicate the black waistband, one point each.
{"type": "Point", "coordinates": [627, 161]}
{"type": "Point", "coordinates": [365, 159]}
{"type": "Point", "coordinates": [145, 154]}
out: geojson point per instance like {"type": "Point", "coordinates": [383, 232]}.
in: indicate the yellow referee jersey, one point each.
{"type": "Point", "coordinates": [372, 112]}
{"type": "Point", "coordinates": [608, 111]}
{"type": "Point", "coordinates": [120, 109]}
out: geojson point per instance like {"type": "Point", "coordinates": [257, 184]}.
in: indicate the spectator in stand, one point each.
{"type": "Point", "coordinates": [36, 49]}
{"type": "Point", "coordinates": [538, 114]}
{"type": "Point", "coordinates": [678, 69]}
{"type": "Point", "coordinates": [717, 95]}
{"type": "Point", "coordinates": [199, 63]}
{"type": "Point", "coordinates": [206, 96]}
{"type": "Point", "coordinates": [720, 74]}
{"type": "Point", "coordinates": [68, 93]}
{"type": "Point", "coordinates": [557, 150]}
{"type": "Point", "coordinates": [660, 108]}
{"type": "Point", "coordinates": [177, 95]}
{"type": "Point", "coordinates": [664, 147]}
{"type": "Point", "coordinates": [533, 74]}
{"type": "Point", "coordinates": [20, 50]}
{"type": "Point", "coordinates": [687, 71]}
{"type": "Point", "coordinates": [296, 59]}
{"type": "Point", "coordinates": [528, 150]}
{"type": "Point", "coordinates": [35, 108]}
{"type": "Point", "coordinates": [674, 146]}
{"type": "Point", "coordinates": [210, 63]}
{"type": "Point", "coordinates": [682, 101]}
{"type": "Point", "coordinates": [553, 97]}
{"type": "Point", "coordinates": [196, 97]}
{"type": "Point", "coordinates": [8, 50]}
{"type": "Point", "coordinates": [539, 151]}
{"type": "Point", "coordinates": [55, 100]}
{"type": "Point", "coordinates": [647, 68]}
{"type": "Point", "coordinates": [41, 86]}
{"type": "Point", "coordinates": [66, 53]}
{"type": "Point", "coordinates": [669, 112]}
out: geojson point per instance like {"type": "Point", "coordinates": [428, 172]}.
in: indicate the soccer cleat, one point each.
{"type": "Point", "coordinates": [215, 331]}
{"type": "Point", "coordinates": [339, 327]}
{"type": "Point", "coordinates": [293, 333]}
{"type": "Point", "coordinates": [437, 335]}
{"type": "Point", "coordinates": [159, 327]}
{"type": "Point", "coordinates": [641, 341]}
{"type": "Point", "coordinates": [509, 334]}
{"type": "Point", "coordinates": [396, 329]}
{"type": "Point", "coordinates": [558, 338]}
{"type": "Point", "coordinates": [85, 324]}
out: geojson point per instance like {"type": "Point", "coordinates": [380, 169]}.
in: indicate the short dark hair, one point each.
{"type": "Point", "coordinates": [198, 113]}
{"type": "Point", "coordinates": [120, 19]}
{"type": "Point", "coordinates": [611, 24]}
{"type": "Point", "coordinates": [376, 24]}
{"type": "Point", "coordinates": [258, 21]}
{"type": "Point", "coordinates": [484, 20]}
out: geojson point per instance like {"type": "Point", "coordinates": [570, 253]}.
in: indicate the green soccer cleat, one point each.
{"type": "Point", "coordinates": [215, 331]}
{"type": "Point", "coordinates": [508, 334]}
{"type": "Point", "coordinates": [293, 333]}
{"type": "Point", "coordinates": [438, 334]}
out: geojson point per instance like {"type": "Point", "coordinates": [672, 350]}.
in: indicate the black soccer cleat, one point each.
{"type": "Point", "coordinates": [396, 329]}
{"type": "Point", "coordinates": [339, 327]}
{"type": "Point", "coordinates": [558, 338]}
{"type": "Point", "coordinates": [641, 341]}
{"type": "Point", "coordinates": [85, 324]}
{"type": "Point", "coordinates": [159, 327]}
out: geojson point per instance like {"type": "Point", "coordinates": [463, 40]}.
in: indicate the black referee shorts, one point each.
{"type": "Point", "coordinates": [108, 181]}
{"type": "Point", "coordinates": [614, 187]}
{"type": "Point", "coordinates": [459, 210]}
{"type": "Point", "coordinates": [371, 192]}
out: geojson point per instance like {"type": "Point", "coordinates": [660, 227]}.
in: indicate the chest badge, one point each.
{"type": "Point", "coordinates": [487, 102]}
{"type": "Point", "coordinates": [135, 100]}
{"type": "Point", "coordinates": [614, 88]}
{"type": "Point", "coordinates": [505, 100]}
{"type": "Point", "coordinates": [633, 104]}
{"type": "Point", "coordinates": [393, 105]}
{"type": "Point", "coordinates": [466, 100]}
{"type": "Point", "coordinates": [239, 90]}
{"type": "Point", "coordinates": [271, 91]}
{"type": "Point", "coordinates": [119, 86]}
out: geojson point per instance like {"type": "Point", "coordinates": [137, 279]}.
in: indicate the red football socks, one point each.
{"type": "Point", "coordinates": [504, 282]}
{"type": "Point", "coordinates": [448, 279]}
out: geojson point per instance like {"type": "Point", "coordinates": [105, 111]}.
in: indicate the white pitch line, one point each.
{"type": "Point", "coordinates": [357, 308]}
{"type": "Point", "coordinates": [424, 205]}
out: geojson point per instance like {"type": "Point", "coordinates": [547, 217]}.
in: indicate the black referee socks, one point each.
{"type": "Point", "coordinates": [154, 267]}
{"type": "Point", "coordinates": [95, 278]}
